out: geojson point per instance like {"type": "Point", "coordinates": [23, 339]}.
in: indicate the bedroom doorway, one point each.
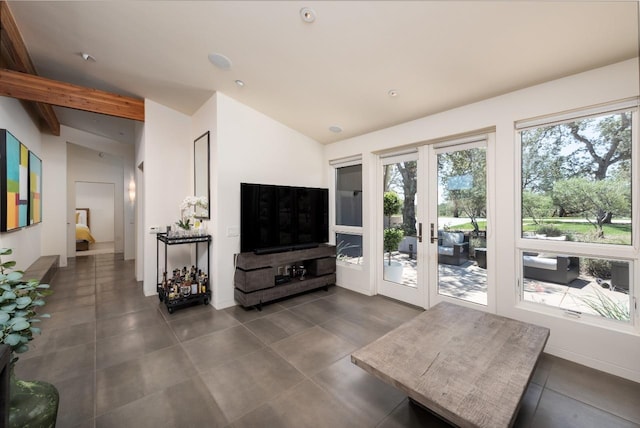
{"type": "Point", "coordinates": [95, 204]}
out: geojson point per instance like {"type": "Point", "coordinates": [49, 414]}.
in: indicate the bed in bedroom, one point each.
{"type": "Point", "coordinates": [83, 232]}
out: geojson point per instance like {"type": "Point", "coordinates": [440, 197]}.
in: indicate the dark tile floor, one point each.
{"type": "Point", "coordinates": [119, 359]}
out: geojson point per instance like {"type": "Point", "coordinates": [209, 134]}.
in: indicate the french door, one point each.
{"type": "Point", "coordinates": [432, 224]}
{"type": "Point", "coordinates": [399, 205]}
{"type": "Point", "coordinates": [458, 222]}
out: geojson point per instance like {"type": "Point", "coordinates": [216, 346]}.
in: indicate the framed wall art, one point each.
{"type": "Point", "coordinates": [14, 190]}
{"type": "Point", "coordinates": [35, 189]}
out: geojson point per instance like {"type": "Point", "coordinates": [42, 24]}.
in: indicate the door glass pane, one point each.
{"type": "Point", "coordinates": [462, 225]}
{"type": "Point", "coordinates": [400, 186]}
{"type": "Point", "coordinates": [581, 285]}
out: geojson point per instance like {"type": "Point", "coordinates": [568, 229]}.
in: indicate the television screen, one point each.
{"type": "Point", "coordinates": [280, 218]}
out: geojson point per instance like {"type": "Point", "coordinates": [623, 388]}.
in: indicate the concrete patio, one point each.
{"type": "Point", "coordinates": [469, 282]}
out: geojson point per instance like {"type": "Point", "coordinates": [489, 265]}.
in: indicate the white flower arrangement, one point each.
{"type": "Point", "coordinates": [188, 211]}
{"type": "Point", "coordinates": [190, 202]}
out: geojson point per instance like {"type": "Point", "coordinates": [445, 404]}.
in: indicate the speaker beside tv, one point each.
{"type": "Point", "coordinates": [282, 218]}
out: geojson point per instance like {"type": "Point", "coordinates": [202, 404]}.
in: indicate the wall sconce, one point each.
{"type": "Point", "coordinates": [132, 191]}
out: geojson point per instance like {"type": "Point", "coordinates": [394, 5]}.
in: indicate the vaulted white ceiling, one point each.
{"type": "Point", "coordinates": [337, 70]}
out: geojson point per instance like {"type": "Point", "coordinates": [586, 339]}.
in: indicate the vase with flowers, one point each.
{"type": "Point", "coordinates": [31, 403]}
{"type": "Point", "coordinates": [192, 209]}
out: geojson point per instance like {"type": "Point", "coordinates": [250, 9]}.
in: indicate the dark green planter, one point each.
{"type": "Point", "coordinates": [32, 404]}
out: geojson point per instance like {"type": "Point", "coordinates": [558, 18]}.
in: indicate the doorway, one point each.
{"type": "Point", "coordinates": [99, 200]}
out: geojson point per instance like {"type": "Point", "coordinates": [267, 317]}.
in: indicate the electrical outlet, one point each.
{"type": "Point", "coordinates": [233, 231]}
{"type": "Point", "coordinates": [155, 229]}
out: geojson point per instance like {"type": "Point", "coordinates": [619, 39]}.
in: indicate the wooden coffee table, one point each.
{"type": "Point", "coordinates": [467, 366]}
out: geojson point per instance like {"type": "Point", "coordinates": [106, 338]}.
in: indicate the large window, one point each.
{"type": "Point", "coordinates": [577, 214]}
{"type": "Point", "coordinates": [348, 204]}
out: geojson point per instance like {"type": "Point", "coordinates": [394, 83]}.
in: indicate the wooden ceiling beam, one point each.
{"type": "Point", "coordinates": [14, 55]}
{"type": "Point", "coordinates": [13, 41]}
{"type": "Point", "coordinates": [35, 88]}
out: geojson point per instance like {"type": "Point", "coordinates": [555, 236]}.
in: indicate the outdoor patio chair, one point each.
{"type": "Point", "coordinates": [453, 248]}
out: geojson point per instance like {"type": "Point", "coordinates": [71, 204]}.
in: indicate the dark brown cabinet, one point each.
{"type": "Point", "coordinates": [261, 278]}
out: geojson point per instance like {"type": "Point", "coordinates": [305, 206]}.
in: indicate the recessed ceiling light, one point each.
{"type": "Point", "coordinates": [87, 57]}
{"type": "Point", "coordinates": [335, 128]}
{"type": "Point", "coordinates": [220, 61]}
{"type": "Point", "coordinates": [393, 93]}
{"type": "Point", "coordinates": [240, 83]}
{"type": "Point", "coordinates": [307, 14]}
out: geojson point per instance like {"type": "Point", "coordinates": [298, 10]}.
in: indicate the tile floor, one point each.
{"type": "Point", "coordinates": [120, 360]}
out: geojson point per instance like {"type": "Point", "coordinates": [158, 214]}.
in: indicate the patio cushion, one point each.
{"type": "Point", "coordinates": [540, 262]}
{"type": "Point", "coordinates": [449, 239]}
{"type": "Point", "coordinates": [446, 251]}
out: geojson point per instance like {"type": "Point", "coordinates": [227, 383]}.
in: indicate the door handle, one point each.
{"type": "Point", "coordinates": [434, 237]}
{"type": "Point", "coordinates": [419, 232]}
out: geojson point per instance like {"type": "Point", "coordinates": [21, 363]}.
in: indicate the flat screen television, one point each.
{"type": "Point", "coordinates": [282, 218]}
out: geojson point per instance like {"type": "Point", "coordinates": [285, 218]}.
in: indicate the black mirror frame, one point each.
{"type": "Point", "coordinates": [208, 172]}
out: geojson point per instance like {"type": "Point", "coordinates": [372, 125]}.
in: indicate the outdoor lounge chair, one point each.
{"type": "Point", "coordinates": [453, 248]}
{"type": "Point", "coordinates": [553, 268]}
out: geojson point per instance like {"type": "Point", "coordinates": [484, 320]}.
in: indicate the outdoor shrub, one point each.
{"type": "Point", "coordinates": [549, 230]}
{"type": "Point", "coordinates": [597, 268]}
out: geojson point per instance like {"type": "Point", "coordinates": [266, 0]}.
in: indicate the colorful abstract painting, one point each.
{"type": "Point", "coordinates": [35, 189]}
{"type": "Point", "coordinates": [14, 182]}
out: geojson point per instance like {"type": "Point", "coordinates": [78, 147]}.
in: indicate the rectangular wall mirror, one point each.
{"type": "Point", "coordinates": [201, 173]}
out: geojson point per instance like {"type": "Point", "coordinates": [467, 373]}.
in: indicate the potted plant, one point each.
{"type": "Point", "coordinates": [31, 403]}
{"type": "Point", "coordinates": [392, 237]}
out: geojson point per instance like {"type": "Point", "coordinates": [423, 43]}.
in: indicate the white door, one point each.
{"type": "Point", "coordinates": [457, 223]}
{"type": "Point", "coordinates": [399, 239]}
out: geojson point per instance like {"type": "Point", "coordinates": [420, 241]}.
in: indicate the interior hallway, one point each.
{"type": "Point", "coordinates": [119, 359]}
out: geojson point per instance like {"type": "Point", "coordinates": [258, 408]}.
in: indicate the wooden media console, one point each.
{"type": "Point", "coordinates": [261, 278]}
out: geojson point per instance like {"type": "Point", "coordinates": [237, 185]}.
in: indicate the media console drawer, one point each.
{"type": "Point", "coordinates": [255, 279]}
{"type": "Point", "coordinates": [322, 266]}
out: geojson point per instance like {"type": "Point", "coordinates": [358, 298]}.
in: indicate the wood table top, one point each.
{"type": "Point", "coordinates": [470, 367]}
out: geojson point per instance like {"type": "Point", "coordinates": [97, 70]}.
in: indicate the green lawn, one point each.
{"type": "Point", "coordinates": [578, 230]}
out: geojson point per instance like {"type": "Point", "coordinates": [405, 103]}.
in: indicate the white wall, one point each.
{"type": "Point", "coordinates": [99, 198]}
{"type": "Point", "coordinates": [26, 242]}
{"type": "Point", "coordinates": [604, 349]}
{"type": "Point", "coordinates": [138, 177]}
{"type": "Point", "coordinates": [247, 146]}
{"type": "Point", "coordinates": [166, 149]}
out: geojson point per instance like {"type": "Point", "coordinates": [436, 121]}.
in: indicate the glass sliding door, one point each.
{"type": "Point", "coordinates": [460, 226]}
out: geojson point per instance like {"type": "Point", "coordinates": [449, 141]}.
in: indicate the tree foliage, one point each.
{"type": "Point", "coordinates": [391, 205]}
{"type": "Point", "coordinates": [462, 176]}
{"type": "Point", "coordinates": [409, 174]}
{"type": "Point", "coordinates": [588, 150]}
{"type": "Point", "coordinates": [392, 235]}
{"type": "Point", "coordinates": [536, 205]}
{"type": "Point", "coordinates": [604, 143]}
{"type": "Point", "coordinates": [593, 199]}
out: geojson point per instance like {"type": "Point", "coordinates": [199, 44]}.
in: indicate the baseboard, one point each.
{"type": "Point", "coordinates": [593, 363]}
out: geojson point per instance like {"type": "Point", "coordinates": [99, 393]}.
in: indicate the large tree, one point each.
{"type": "Point", "coordinates": [409, 173]}
{"type": "Point", "coordinates": [596, 149]}
{"type": "Point", "coordinates": [604, 142]}
{"type": "Point", "coordinates": [542, 161]}
{"type": "Point", "coordinates": [462, 175]}
{"type": "Point", "coordinates": [593, 199]}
